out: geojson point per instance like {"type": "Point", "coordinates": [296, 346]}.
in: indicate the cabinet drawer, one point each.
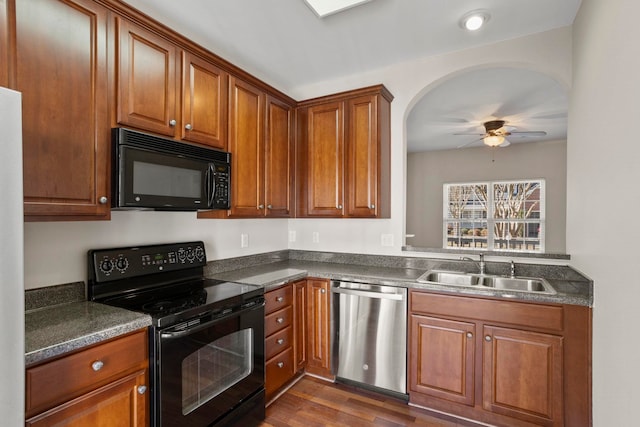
{"type": "Point", "coordinates": [58, 381]}
{"type": "Point", "coordinates": [279, 371]}
{"type": "Point", "coordinates": [277, 321]}
{"type": "Point", "coordinates": [279, 341]}
{"type": "Point", "coordinates": [278, 299]}
{"type": "Point", "coordinates": [509, 312]}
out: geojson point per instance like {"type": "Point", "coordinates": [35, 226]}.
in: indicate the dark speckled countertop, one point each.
{"type": "Point", "coordinates": [569, 290]}
{"type": "Point", "coordinates": [57, 329]}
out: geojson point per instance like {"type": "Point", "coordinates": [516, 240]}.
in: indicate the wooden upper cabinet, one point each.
{"type": "Point", "coordinates": [278, 159]}
{"type": "Point", "coordinates": [204, 106]}
{"type": "Point", "coordinates": [246, 144]}
{"type": "Point", "coordinates": [146, 82]}
{"type": "Point", "coordinates": [325, 157]}
{"type": "Point", "coordinates": [61, 70]}
{"type": "Point", "coordinates": [4, 44]}
{"type": "Point", "coordinates": [344, 155]}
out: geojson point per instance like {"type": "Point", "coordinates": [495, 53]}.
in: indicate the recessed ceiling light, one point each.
{"type": "Point", "coordinates": [324, 8]}
{"type": "Point", "coordinates": [474, 20]}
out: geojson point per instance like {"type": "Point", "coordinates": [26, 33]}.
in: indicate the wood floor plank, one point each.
{"type": "Point", "coordinates": [315, 403]}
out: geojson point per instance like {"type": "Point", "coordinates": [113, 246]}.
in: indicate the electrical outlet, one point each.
{"type": "Point", "coordinates": [386, 239]}
{"type": "Point", "coordinates": [315, 237]}
{"type": "Point", "coordinates": [292, 236]}
{"type": "Point", "coordinates": [244, 240]}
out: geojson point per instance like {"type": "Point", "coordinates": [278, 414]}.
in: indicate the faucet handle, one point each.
{"type": "Point", "coordinates": [513, 269]}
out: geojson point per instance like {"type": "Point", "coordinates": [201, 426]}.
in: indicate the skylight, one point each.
{"type": "Point", "coordinates": [324, 8]}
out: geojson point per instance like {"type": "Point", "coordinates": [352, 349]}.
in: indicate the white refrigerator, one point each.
{"type": "Point", "coordinates": [11, 261]}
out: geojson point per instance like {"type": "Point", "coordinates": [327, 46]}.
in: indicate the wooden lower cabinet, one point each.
{"type": "Point", "coordinates": [300, 324]}
{"type": "Point", "coordinates": [500, 362]}
{"type": "Point", "coordinates": [105, 384]}
{"type": "Point", "coordinates": [319, 328]}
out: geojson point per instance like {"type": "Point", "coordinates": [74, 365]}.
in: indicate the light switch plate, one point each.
{"type": "Point", "coordinates": [315, 237]}
{"type": "Point", "coordinates": [292, 236]}
{"type": "Point", "coordinates": [386, 239]}
{"type": "Point", "coordinates": [244, 240]}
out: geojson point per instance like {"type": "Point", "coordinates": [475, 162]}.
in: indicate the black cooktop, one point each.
{"type": "Point", "coordinates": [165, 281]}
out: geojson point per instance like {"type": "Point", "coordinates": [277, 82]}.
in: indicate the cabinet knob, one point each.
{"type": "Point", "coordinates": [269, 207]}
{"type": "Point", "coordinates": [469, 335]}
{"type": "Point", "coordinates": [280, 364]}
{"type": "Point", "coordinates": [260, 206]}
{"type": "Point", "coordinates": [280, 341]}
{"type": "Point", "coordinates": [487, 338]}
{"type": "Point", "coordinates": [323, 291]}
{"type": "Point", "coordinates": [279, 320]}
{"type": "Point", "coordinates": [97, 365]}
{"type": "Point", "coordinates": [142, 389]}
{"type": "Point", "coordinates": [372, 207]}
{"type": "Point", "coordinates": [280, 299]}
{"type": "Point", "coordinates": [188, 126]}
{"type": "Point", "coordinates": [339, 206]}
{"type": "Point", "coordinates": [103, 200]}
{"type": "Point", "coordinates": [172, 122]}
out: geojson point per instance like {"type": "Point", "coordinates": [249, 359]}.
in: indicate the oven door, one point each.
{"type": "Point", "coordinates": [206, 370]}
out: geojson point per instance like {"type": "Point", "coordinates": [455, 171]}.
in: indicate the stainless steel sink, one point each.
{"type": "Point", "coordinates": [523, 284]}
{"type": "Point", "coordinates": [449, 278]}
{"type": "Point", "coordinates": [517, 284]}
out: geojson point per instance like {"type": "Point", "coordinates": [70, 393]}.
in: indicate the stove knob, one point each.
{"type": "Point", "coordinates": [190, 255]}
{"type": "Point", "coordinates": [122, 263]}
{"type": "Point", "coordinates": [182, 255]}
{"type": "Point", "coordinates": [199, 253]}
{"type": "Point", "coordinates": [106, 266]}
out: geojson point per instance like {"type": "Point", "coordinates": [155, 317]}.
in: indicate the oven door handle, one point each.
{"type": "Point", "coordinates": [201, 326]}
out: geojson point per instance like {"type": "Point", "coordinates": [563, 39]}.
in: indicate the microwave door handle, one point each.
{"type": "Point", "coordinates": [210, 186]}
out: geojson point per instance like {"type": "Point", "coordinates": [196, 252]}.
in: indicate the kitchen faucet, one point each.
{"type": "Point", "coordinates": [481, 264]}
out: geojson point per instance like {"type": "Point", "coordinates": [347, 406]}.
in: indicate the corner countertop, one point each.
{"type": "Point", "coordinates": [58, 329]}
{"type": "Point", "coordinates": [275, 274]}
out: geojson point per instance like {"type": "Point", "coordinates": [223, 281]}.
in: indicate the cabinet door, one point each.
{"type": "Point", "coordinates": [4, 44]}
{"type": "Point", "coordinates": [441, 362]}
{"type": "Point", "coordinates": [121, 403]}
{"type": "Point", "coordinates": [61, 70]}
{"type": "Point", "coordinates": [146, 87]}
{"type": "Point", "coordinates": [362, 156]}
{"type": "Point", "coordinates": [318, 327]}
{"type": "Point", "coordinates": [325, 160]}
{"type": "Point", "coordinates": [278, 172]}
{"type": "Point", "coordinates": [246, 144]}
{"type": "Point", "coordinates": [300, 324]}
{"type": "Point", "coordinates": [522, 375]}
{"type": "Point", "coordinates": [204, 92]}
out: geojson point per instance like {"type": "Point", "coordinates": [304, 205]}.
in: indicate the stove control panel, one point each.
{"type": "Point", "coordinates": [121, 263]}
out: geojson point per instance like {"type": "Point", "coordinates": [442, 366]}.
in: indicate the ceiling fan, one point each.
{"type": "Point", "coordinates": [495, 134]}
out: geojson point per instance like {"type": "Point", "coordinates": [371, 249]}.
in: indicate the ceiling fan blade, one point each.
{"type": "Point", "coordinates": [477, 134]}
{"type": "Point", "coordinates": [504, 144]}
{"type": "Point", "coordinates": [528, 133]}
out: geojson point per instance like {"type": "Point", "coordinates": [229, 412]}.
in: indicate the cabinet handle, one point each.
{"type": "Point", "coordinates": [279, 320]}
{"type": "Point", "coordinates": [260, 206]}
{"type": "Point", "coordinates": [280, 299]}
{"type": "Point", "coordinates": [103, 200]}
{"type": "Point", "coordinates": [188, 126]}
{"type": "Point", "coordinates": [280, 364]}
{"type": "Point", "coordinates": [280, 341]}
{"type": "Point", "coordinates": [487, 338]}
{"type": "Point", "coordinates": [469, 335]}
{"type": "Point", "coordinates": [172, 122]}
{"type": "Point", "coordinates": [97, 365]}
{"type": "Point", "coordinates": [142, 389]}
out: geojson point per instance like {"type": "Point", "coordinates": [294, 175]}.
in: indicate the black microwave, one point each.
{"type": "Point", "coordinates": [150, 172]}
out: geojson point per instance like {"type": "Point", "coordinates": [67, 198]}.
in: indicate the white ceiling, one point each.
{"type": "Point", "coordinates": [284, 43]}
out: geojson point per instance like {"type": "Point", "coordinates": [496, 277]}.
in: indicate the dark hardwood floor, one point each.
{"type": "Point", "coordinates": [313, 403]}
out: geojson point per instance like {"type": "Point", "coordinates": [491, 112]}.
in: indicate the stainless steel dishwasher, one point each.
{"type": "Point", "coordinates": [370, 336]}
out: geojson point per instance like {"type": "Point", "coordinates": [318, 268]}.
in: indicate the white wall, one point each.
{"type": "Point", "coordinates": [427, 172]}
{"type": "Point", "coordinates": [602, 187]}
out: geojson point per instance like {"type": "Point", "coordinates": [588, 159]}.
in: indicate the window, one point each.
{"type": "Point", "coordinates": [499, 215]}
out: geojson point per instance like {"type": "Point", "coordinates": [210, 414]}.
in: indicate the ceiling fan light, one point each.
{"type": "Point", "coordinates": [493, 140]}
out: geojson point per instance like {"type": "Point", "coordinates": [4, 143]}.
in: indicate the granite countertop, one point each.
{"type": "Point", "coordinates": [58, 329]}
{"type": "Point", "coordinates": [275, 274]}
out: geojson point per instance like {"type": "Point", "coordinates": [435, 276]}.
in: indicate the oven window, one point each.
{"type": "Point", "coordinates": [215, 367]}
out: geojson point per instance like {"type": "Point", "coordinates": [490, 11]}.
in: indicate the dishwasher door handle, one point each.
{"type": "Point", "coordinates": [368, 294]}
